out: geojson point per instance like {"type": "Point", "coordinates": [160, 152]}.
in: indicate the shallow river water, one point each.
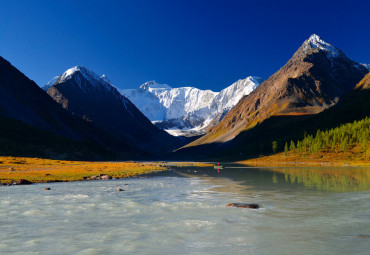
{"type": "Point", "coordinates": [303, 211]}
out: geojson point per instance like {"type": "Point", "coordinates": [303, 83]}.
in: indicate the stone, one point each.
{"type": "Point", "coordinates": [105, 177]}
{"type": "Point", "coordinates": [364, 236]}
{"type": "Point", "coordinates": [47, 188]}
{"type": "Point", "coordinates": [243, 205]}
{"type": "Point", "coordinates": [120, 190]}
{"type": "Point", "coordinates": [23, 182]}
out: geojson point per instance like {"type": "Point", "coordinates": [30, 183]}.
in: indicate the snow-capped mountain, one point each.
{"type": "Point", "coordinates": [91, 97]}
{"type": "Point", "coordinates": [314, 41]}
{"type": "Point", "coordinates": [187, 108]}
{"type": "Point", "coordinates": [314, 79]}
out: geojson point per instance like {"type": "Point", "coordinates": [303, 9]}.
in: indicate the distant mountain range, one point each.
{"type": "Point", "coordinates": [83, 116]}
{"type": "Point", "coordinates": [188, 109]}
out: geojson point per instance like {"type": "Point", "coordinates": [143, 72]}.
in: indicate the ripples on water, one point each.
{"type": "Point", "coordinates": [185, 212]}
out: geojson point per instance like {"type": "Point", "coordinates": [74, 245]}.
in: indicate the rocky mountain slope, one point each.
{"type": "Point", "coordinates": [188, 108]}
{"type": "Point", "coordinates": [22, 99]}
{"type": "Point", "coordinates": [314, 79]}
{"type": "Point", "coordinates": [33, 124]}
{"type": "Point", "coordinates": [364, 84]}
{"type": "Point", "coordinates": [86, 95]}
{"type": "Point", "coordinates": [257, 141]}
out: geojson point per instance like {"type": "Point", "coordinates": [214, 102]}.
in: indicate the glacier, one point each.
{"type": "Point", "coordinates": [187, 110]}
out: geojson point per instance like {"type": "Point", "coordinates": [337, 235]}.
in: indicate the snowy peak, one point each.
{"type": "Point", "coordinates": [148, 86]}
{"type": "Point", "coordinates": [83, 77]}
{"type": "Point", "coordinates": [315, 42]}
{"type": "Point", "coordinates": [187, 108]}
{"type": "Point", "coordinates": [338, 59]}
{"type": "Point", "coordinates": [254, 79]}
{"type": "Point", "coordinates": [86, 73]}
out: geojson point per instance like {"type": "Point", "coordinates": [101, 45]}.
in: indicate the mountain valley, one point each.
{"type": "Point", "coordinates": [318, 88]}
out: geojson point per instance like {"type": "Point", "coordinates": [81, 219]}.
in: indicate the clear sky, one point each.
{"type": "Point", "coordinates": [205, 44]}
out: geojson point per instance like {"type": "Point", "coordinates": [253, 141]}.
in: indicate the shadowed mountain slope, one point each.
{"type": "Point", "coordinates": [95, 99]}
{"type": "Point", "coordinates": [30, 119]}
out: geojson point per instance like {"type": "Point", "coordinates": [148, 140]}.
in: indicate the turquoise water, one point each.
{"type": "Point", "coordinates": [184, 212]}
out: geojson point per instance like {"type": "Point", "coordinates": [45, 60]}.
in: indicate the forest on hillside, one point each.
{"type": "Point", "coordinates": [340, 139]}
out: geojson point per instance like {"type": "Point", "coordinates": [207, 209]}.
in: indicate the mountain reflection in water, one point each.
{"type": "Point", "coordinates": [335, 179]}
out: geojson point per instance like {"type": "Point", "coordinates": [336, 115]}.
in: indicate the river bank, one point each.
{"type": "Point", "coordinates": [37, 170]}
{"type": "Point", "coordinates": [327, 159]}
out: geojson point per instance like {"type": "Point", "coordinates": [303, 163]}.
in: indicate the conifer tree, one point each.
{"type": "Point", "coordinates": [286, 149]}
{"type": "Point", "coordinates": [274, 146]}
{"type": "Point", "coordinates": [292, 146]}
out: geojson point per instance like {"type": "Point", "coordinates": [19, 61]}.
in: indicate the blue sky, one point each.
{"type": "Point", "coordinates": [205, 44]}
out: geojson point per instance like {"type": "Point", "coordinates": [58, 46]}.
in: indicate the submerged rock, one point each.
{"type": "Point", "coordinates": [120, 190]}
{"type": "Point", "coordinates": [47, 188]}
{"type": "Point", "coordinates": [243, 205]}
{"type": "Point", "coordinates": [364, 236]}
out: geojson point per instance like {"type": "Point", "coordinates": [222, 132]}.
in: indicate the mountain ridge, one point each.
{"type": "Point", "coordinates": [26, 108]}
{"type": "Point", "coordinates": [311, 81]}
{"type": "Point", "coordinates": [84, 94]}
{"type": "Point", "coordinates": [187, 108]}
{"type": "Point", "coordinates": [257, 141]}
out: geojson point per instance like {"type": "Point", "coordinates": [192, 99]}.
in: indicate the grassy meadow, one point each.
{"type": "Point", "coordinates": [40, 170]}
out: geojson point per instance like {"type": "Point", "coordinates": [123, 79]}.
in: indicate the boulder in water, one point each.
{"type": "Point", "coordinates": [243, 205]}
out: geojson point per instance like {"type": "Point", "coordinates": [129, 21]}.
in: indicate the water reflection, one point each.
{"type": "Point", "coordinates": [337, 179]}
{"type": "Point", "coordinates": [331, 179]}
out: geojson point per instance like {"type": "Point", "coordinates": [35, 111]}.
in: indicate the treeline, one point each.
{"type": "Point", "coordinates": [339, 139]}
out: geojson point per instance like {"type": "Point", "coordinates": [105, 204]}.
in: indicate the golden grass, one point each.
{"type": "Point", "coordinates": [323, 158]}
{"type": "Point", "coordinates": [185, 164]}
{"type": "Point", "coordinates": [45, 170]}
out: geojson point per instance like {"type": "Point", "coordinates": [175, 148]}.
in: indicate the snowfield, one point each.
{"type": "Point", "coordinates": [177, 110]}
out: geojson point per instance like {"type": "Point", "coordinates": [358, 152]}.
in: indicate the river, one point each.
{"type": "Point", "coordinates": [303, 211]}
